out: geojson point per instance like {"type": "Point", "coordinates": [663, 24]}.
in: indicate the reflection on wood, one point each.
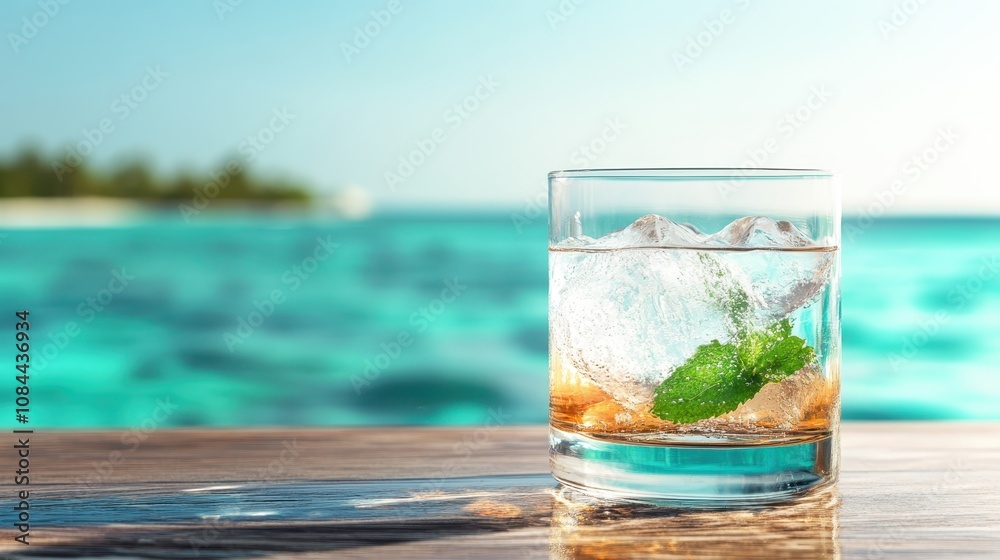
{"type": "Point", "coordinates": [584, 528]}
{"type": "Point", "coordinates": [907, 490]}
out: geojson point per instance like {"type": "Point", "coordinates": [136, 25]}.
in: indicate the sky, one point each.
{"type": "Point", "coordinates": [451, 103]}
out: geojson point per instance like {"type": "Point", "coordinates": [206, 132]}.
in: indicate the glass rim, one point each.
{"type": "Point", "coordinates": [699, 173]}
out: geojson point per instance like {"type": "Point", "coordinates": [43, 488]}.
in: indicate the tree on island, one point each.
{"type": "Point", "coordinates": [30, 174]}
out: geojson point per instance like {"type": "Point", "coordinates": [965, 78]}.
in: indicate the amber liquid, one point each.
{"type": "Point", "coordinates": [798, 409]}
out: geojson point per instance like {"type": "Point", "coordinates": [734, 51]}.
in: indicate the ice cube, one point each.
{"type": "Point", "coordinates": [760, 231]}
{"type": "Point", "coordinates": [626, 319]}
{"type": "Point", "coordinates": [786, 283]}
{"type": "Point", "coordinates": [653, 231]}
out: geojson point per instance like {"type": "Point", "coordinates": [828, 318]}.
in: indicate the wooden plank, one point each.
{"type": "Point", "coordinates": [907, 490]}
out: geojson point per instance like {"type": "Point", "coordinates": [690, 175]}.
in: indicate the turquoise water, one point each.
{"type": "Point", "coordinates": [450, 311]}
{"type": "Point", "coordinates": [708, 476]}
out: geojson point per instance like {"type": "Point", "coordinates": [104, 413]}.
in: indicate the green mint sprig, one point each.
{"type": "Point", "coordinates": [720, 377]}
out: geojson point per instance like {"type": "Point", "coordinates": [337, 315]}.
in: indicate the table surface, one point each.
{"type": "Point", "coordinates": [907, 490]}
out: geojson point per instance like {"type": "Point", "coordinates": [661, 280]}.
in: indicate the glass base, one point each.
{"type": "Point", "coordinates": [692, 476]}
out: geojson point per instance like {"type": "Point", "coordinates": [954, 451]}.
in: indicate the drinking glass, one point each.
{"type": "Point", "coordinates": [694, 333]}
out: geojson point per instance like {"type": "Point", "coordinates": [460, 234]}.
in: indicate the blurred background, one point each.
{"type": "Point", "coordinates": [224, 213]}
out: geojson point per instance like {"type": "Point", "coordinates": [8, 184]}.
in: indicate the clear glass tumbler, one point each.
{"type": "Point", "coordinates": [694, 333]}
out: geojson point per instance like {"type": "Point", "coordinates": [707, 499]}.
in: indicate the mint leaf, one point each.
{"type": "Point", "coordinates": [710, 383]}
{"type": "Point", "coordinates": [781, 354]}
{"type": "Point", "coordinates": [720, 377]}
{"type": "Point", "coordinates": [734, 301]}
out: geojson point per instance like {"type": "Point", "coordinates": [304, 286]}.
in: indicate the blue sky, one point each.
{"type": "Point", "coordinates": [883, 89]}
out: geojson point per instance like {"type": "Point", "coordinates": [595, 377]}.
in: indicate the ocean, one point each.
{"type": "Point", "coordinates": [424, 319]}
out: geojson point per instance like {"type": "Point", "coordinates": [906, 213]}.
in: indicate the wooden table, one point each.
{"type": "Point", "coordinates": [911, 490]}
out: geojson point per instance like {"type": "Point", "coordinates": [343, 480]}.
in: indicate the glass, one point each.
{"type": "Point", "coordinates": [585, 527]}
{"type": "Point", "coordinates": [694, 333]}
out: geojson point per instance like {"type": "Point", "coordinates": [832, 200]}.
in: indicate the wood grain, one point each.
{"type": "Point", "coordinates": [907, 490]}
